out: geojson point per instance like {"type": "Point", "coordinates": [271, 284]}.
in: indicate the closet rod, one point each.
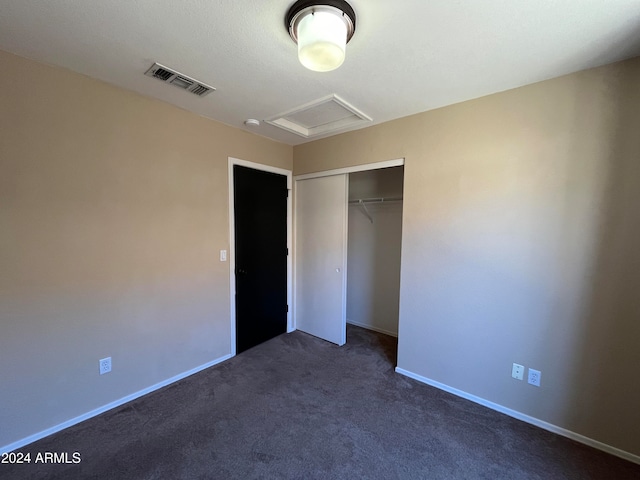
{"type": "Point", "coordinates": [376, 200]}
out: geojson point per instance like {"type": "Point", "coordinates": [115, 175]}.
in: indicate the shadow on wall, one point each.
{"type": "Point", "coordinates": [605, 393]}
{"type": "Point", "coordinates": [520, 244]}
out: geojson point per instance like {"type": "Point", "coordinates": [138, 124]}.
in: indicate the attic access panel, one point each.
{"type": "Point", "coordinates": [321, 116]}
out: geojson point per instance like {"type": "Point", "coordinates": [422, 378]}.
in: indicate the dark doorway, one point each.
{"type": "Point", "coordinates": [260, 204]}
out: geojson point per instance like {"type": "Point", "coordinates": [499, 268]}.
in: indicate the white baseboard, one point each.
{"type": "Point", "coordinates": [375, 329]}
{"type": "Point", "coordinates": [525, 418]}
{"type": "Point", "coordinates": [85, 416]}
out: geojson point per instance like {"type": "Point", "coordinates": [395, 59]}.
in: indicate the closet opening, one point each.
{"type": "Point", "coordinates": [348, 237]}
{"type": "Point", "coordinates": [374, 247]}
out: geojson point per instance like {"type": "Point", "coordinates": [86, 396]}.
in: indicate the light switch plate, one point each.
{"type": "Point", "coordinates": [223, 255]}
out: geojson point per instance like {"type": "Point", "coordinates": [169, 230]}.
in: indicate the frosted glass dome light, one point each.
{"type": "Point", "coordinates": [321, 30]}
{"type": "Point", "coordinates": [322, 41]}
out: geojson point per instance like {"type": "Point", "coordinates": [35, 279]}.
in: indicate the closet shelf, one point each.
{"type": "Point", "coordinates": [376, 200]}
{"type": "Point", "coordinates": [363, 202]}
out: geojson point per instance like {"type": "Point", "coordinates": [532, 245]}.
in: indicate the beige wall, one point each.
{"type": "Point", "coordinates": [520, 244]}
{"type": "Point", "coordinates": [112, 210]}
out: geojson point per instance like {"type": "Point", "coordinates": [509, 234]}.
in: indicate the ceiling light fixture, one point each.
{"type": "Point", "coordinates": [322, 29]}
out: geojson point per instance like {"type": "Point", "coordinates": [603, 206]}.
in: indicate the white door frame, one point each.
{"type": "Point", "coordinates": [232, 243]}
{"type": "Point", "coordinates": [326, 173]}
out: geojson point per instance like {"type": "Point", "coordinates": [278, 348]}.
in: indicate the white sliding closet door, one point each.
{"type": "Point", "coordinates": [321, 209]}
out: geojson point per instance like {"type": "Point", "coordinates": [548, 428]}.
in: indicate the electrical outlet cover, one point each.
{"type": "Point", "coordinates": [105, 365]}
{"type": "Point", "coordinates": [534, 377]}
{"type": "Point", "coordinates": [517, 371]}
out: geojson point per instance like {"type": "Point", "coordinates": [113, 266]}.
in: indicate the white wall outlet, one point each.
{"type": "Point", "coordinates": [105, 365]}
{"type": "Point", "coordinates": [534, 377]}
{"type": "Point", "coordinates": [223, 255]}
{"type": "Point", "coordinates": [517, 371]}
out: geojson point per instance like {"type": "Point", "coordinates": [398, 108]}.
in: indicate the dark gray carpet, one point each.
{"type": "Point", "coordinates": [298, 407]}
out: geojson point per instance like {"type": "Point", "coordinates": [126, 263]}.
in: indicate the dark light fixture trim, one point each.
{"type": "Point", "coordinates": [301, 7]}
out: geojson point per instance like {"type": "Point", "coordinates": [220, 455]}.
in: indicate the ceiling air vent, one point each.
{"type": "Point", "coordinates": [179, 80]}
{"type": "Point", "coordinates": [162, 74]}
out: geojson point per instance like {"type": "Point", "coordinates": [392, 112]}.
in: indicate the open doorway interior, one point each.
{"type": "Point", "coordinates": [374, 246]}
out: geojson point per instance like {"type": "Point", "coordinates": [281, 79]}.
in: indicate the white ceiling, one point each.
{"type": "Point", "coordinates": [407, 56]}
